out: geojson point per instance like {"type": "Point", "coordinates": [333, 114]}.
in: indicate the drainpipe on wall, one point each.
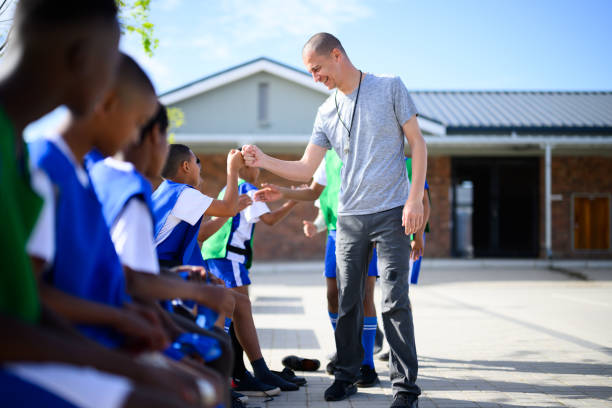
{"type": "Point", "coordinates": [547, 200]}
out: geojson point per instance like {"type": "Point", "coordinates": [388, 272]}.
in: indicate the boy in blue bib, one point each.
{"type": "Point", "coordinates": [84, 280]}
{"type": "Point", "coordinates": [125, 195]}
{"type": "Point", "coordinates": [178, 209]}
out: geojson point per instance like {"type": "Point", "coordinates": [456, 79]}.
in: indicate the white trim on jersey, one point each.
{"type": "Point", "coordinates": [190, 206]}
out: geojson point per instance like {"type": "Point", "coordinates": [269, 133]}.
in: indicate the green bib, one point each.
{"type": "Point", "coordinates": [215, 247]}
{"type": "Point", "coordinates": [20, 207]}
{"type": "Point", "coordinates": [329, 197]}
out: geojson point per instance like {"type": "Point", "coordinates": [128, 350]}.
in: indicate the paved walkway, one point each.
{"type": "Point", "coordinates": [486, 338]}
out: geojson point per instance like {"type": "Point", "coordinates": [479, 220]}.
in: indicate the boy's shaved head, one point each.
{"type": "Point", "coordinates": [39, 14]}
{"type": "Point", "coordinates": [130, 79]}
{"type": "Point", "coordinates": [177, 154]}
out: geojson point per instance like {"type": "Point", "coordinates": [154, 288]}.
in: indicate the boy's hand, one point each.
{"type": "Point", "coordinates": [199, 274]}
{"type": "Point", "coordinates": [412, 216]}
{"type": "Point", "coordinates": [418, 246]}
{"type": "Point", "coordinates": [252, 155]}
{"type": "Point", "coordinates": [310, 230]}
{"type": "Point", "coordinates": [234, 160]}
{"type": "Point", "coordinates": [244, 201]}
{"type": "Point", "coordinates": [268, 193]}
{"type": "Point", "coordinates": [172, 381]}
{"type": "Point", "coordinates": [225, 300]}
{"type": "Point", "coordinates": [142, 325]}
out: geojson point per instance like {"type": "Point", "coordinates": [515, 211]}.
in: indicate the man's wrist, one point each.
{"type": "Point", "coordinates": [415, 199]}
{"type": "Point", "coordinates": [263, 161]}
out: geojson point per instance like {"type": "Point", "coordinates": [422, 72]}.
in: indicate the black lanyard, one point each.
{"type": "Point", "coordinates": [354, 108]}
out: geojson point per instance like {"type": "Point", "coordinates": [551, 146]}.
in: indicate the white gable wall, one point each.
{"type": "Point", "coordinates": [233, 108]}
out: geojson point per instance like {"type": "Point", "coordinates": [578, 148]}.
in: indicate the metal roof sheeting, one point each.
{"type": "Point", "coordinates": [466, 112]}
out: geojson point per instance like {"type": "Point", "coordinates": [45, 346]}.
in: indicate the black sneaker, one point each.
{"type": "Point", "coordinates": [238, 399]}
{"type": "Point", "coordinates": [270, 378]}
{"type": "Point", "coordinates": [331, 366]}
{"type": "Point", "coordinates": [378, 340]}
{"type": "Point", "coordinates": [289, 375]}
{"type": "Point", "coordinates": [340, 390]}
{"type": "Point", "coordinates": [236, 403]}
{"type": "Point", "coordinates": [384, 356]}
{"type": "Point", "coordinates": [403, 400]}
{"type": "Point", "coordinates": [238, 396]}
{"type": "Point", "coordinates": [367, 377]}
{"type": "Point", "coordinates": [251, 386]}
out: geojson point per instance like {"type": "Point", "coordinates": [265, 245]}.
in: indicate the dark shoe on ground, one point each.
{"type": "Point", "coordinates": [340, 390]}
{"type": "Point", "coordinates": [378, 340]}
{"type": "Point", "coordinates": [384, 356]}
{"type": "Point", "coordinates": [236, 403]}
{"type": "Point", "coordinates": [238, 396]}
{"type": "Point", "coordinates": [331, 366]}
{"type": "Point", "coordinates": [403, 400]}
{"type": "Point", "coordinates": [289, 375]}
{"type": "Point", "coordinates": [367, 377]}
{"type": "Point", "coordinates": [301, 364]}
{"type": "Point", "coordinates": [251, 386]}
{"type": "Point", "coordinates": [273, 379]}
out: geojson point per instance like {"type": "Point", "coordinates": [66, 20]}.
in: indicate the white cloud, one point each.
{"type": "Point", "coordinates": [168, 5]}
{"type": "Point", "coordinates": [254, 21]}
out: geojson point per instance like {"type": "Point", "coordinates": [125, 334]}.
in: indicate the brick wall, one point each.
{"type": "Point", "coordinates": [285, 241]}
{"type": "Point", "coordinates": [439, 179]}
{"type": "Point", "coordinates": [574, 175]}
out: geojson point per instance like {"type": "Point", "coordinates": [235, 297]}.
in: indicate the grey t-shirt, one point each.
{"type": "Point", "coordinates": [374, 176]}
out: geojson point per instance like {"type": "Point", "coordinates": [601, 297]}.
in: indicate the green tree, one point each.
{"type": "Point", "coordinates": [133, 16]}
{"type": "Point", "coordinates": [134, 19]}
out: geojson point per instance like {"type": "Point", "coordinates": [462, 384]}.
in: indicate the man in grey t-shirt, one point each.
{"type": "Point", "coordinates": [365, 121]}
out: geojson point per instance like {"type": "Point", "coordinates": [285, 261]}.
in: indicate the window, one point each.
{"type": "Point", "coordinates": [591, 222]}
{"type": "Point", "coordinates": [262, 103]}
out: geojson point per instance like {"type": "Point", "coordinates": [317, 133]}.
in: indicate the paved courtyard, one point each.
{"type": "Point", "coordinates": [485, 337]}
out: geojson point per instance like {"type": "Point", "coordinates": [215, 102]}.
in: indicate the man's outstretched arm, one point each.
{"type": "Point", "coordinates": [298, 170]}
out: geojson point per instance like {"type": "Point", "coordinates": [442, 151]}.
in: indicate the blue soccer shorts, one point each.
{"type": "Point", "coordinates": [330, 258]}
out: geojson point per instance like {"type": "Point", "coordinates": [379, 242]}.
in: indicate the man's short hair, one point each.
{"type": "Point", "coordinates": [177, 154]}
{"type": "Point", "coordinates": [49, 13]}
{"type": "Point", "coordinates": [323, 44]}
{"type": "Point", "coordinates": [131, 76]}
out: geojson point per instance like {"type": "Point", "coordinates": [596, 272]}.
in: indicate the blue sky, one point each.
{"type": "Point", "coordinates": [433, 44]}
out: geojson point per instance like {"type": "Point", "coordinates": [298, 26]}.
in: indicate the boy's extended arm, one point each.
{"type": "Point", "coordinates": [228, 207]}
{"type": "Point", "coordinates": [300, 170]}
{"type": "Point", "coordinates": [276, 216]}
{"type": "Point", "coordinates": [83, 311]}
{"type": "Point", "coordinates": [271, 192]}
{"type": "Point", "coordinates": [147, 285]}
{"type": "Point", "coordinates": [208, 228]}
{"type": "Point", "coordinates": [22, 342]}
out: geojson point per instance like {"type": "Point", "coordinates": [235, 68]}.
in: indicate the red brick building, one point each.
{"type": "Point", "coordinates": [512, 174]}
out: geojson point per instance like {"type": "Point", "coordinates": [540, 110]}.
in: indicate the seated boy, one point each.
{"type": "Point", "coordinates": [83, 279]}
{"type": "Point", "coordinates": [228, 253]}
{"type": "Point", "coordinates": [76, 42]}
{"type": "Point", "coordinates": [125, 195]}
{"type": "Point", "coordinates": [178, 209]}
